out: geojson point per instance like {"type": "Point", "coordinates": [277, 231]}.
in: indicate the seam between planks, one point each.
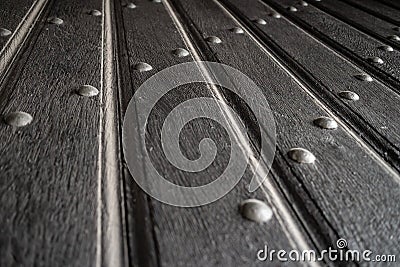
{"type": "Point", "coordinates": [372, 137]}
{"type": "Point", "coordinates": [372, 12]}
{"type": "Point", "coordinates": [341, 51]}
{"type": "Point", "coordinates": [393, 172]}
{"type": "Point", "coordinates": [356, 25]}
{"type": "Point", "coordinates": [284, 217]}
{"type": "Point", "coordinates": [109, 228]}
{"type": "Point", "coordinates": [14, 45]}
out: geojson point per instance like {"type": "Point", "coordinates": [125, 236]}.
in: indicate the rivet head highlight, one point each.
{"type": "Point", "coordinates": [260, 21]}
{"type": "Point", "coordinates": [18, 119]}
{"type": "Point", "coordinates": [156, 1]}
{"type": "Point", "coordinates": [364, 77]}
{"type": "Point", "coordinates": [275, 15]}
{"type": "Point", "coordinates": [55, 20]}
{"type": "Point", "coordinates": [4, 32]}
{"type": "Point", "coordinates": [349, 95]}
{"type": "Point", "coordinates": [180, 52]}
{"type": "Point", "coordinates": [87, 90]}
{"type": "Point", "coordinates": [292, 9]}
{"type": "Point", "coordinates": [301, 155]}
{"type": "Point", "coordinates": [237, 30]}
{"type": "Point", "coordinates": [130, 5]}
{"type": "Point", "coordinates": [394, 38]}
{"type": "Point", "coordinates": [256, 210]}
{"type": "Point", "coordinates": [386, 48]}
{"type": "Point", "coordinates": [375, 60]}
{"type": "Point", "coordinates": [303, 3]}
{"type": "Point", "coordinates": [142, 67]}
{"type": "Point", "coordinates": [95, 13]}
{"type": "Point", "coordinates": [326, 123]}
{"type": "Point", "coordinates": [213, 40]}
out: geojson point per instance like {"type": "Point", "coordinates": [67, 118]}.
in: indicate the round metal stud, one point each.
{"type": "Point", "coordinates": [364, 77]}
{"type": "Point", "coordinates": [142, 67]}
{"type": "Point", "coordinates": [94, 12]}
{"type": "Point", "coordinates": [87, 90]}
{"type": "Point", "coordinates": [376, 60]}
{"type": "Point", "coordinates": [5, 32]}
{"type": "Point", "coordinates": [394, 38]}
{"type": "Point", "coordinates": [386, 48]}
{"type": "Point", "coordinates": [180, 52]}
{"type": "Point", "coordinates": [260, 21]}
{"type": "Point", "coordinates": [301, 155]}
{"type": "Point", "coordinates": [237, 30]}
{"type": "Point", "coordinates": [256, 210]}
{"type": "Point", "coordinates": [18, 119]}
{"type": "Point", "coordinates": [349, 95]}
{"type": "Point", "coordinates": [303, 3]}
{"type": "Point", "coordinates": [130, 5]}
{"type": "Point", "coordinates": [55, 20]}
{"type": "Point", "coordinates": [326, 123]}
{"type": "Point", "coordinates": [275, 15]}
{"type": "Point", "coordinates": [292, 9]}
{"type": "Point", "coordinates": [213, 40]}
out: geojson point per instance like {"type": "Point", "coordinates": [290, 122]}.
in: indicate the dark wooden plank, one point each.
{"type": "Point", "coordinates": [48, 182]}
{"type": "Point", "coordinates": [360, 20]}
{"type": "Point", "coordinates": [317, 65]}
{"type": "Point", "coordinates": [377, 9]}
{"type": "Point", "coordinates": [352, 44]}
{"type": "Point", "coordinates": [353, 189]}
{"type": "Point", "coordinates": [210, 235]}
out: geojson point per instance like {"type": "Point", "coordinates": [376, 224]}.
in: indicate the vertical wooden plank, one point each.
{"type": "Point", "coordinates": [49, 168]}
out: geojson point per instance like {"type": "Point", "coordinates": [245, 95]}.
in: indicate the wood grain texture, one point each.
{"type": "Point", "coordinates": [211, 235]}
{"type": "Point", "coordinates": [340, 183]}
{"type": "Point", "coordinates": [345, 40]}
{"type": "Point", "coordinates": [49, 168]}
{"type": "Point", "coordinates": [322, 69]}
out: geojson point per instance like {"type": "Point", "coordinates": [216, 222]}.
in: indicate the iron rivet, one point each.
{"type": "Point", "coordinates": [95, 13]}
{"type": "Point", "coordinates": [326, 123]}
{"type": "Point", "coordinates": [237, 30]}
{"type": "Point", "coordinates": [375, 60]}
{"type": "Point", "coordinates": [87, 90]}
{"type": "Point", "coordinates": [394, 38]}
{"type": "Point", "coordinates": [4, 32]}
{"type": "Point", "coordinates": [303, 3]}
{"type": "Point", "coordinates": [142, 67]}
{"type": "Point", "coordinates": [213, 39]}
{"type": "Point", "coordinates": [18, 119]}
{"type": "Point", "coordinates": [364, 77]}
{"type": "Point", "coordinates": [156, 1]}
{"type": "Point", "coordinates": [349, 95]}
{"type": "Point", "coordinates": [55, 20]}
{"type": "Point", "coordinates": [256, 210]}
{"type": "Point", "coordinates": [260, 21]}
{"type": "Point", "coordinates": [180, 52]}
{"type": "Point", "coordinates": [130, 5]}
{"type": "Point", "coordinates": [292, 8]}
{"type": "Point", "coordinates": [301, 155]}
{"type": "Point", "coordinates": [275, 15]}
{"type": "Point", "coordinates": [386, 48]}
